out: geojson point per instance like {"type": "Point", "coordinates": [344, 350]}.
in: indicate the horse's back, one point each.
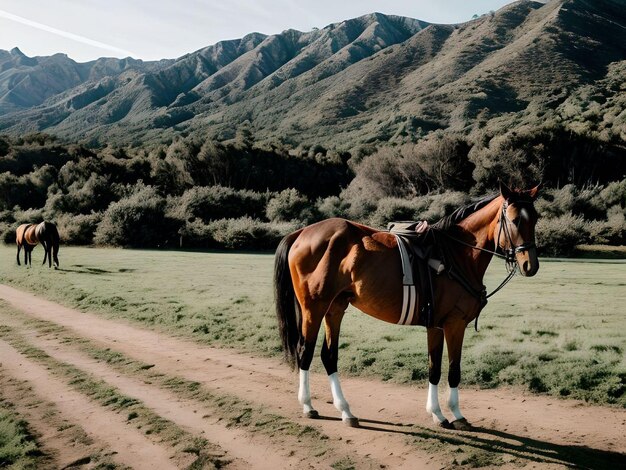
{"type": "Point", "coordinates": [336, 235]}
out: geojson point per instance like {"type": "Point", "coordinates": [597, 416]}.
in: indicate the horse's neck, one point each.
{"type": "Point", "coordinates": [479, 229]}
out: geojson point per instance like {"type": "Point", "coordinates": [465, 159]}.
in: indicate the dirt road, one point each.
{"type": "Point", "coordinates": [246, 411]}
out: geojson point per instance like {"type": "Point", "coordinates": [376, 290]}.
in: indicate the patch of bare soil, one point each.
{"type": "Point", "coordinates": [511, 428]}
{"type": "Point", "coordinates": [132, 448]}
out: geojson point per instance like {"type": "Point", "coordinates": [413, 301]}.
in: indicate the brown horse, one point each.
{"type": "Point", "coordinates": [27, 237]}
{"type": "Point", "coordinates": [322, 268]}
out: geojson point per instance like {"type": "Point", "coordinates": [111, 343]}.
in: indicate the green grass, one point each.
{"type": "Point", "coordinates": [562, 332]}
{"type": "Point", "coordinates": [18, 448]}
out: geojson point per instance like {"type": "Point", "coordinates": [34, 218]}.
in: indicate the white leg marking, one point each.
{"type": "Point", "coordinates": [432, 405]}
{"type": "Point", "coordinates": [304, 393]}
{"type": "Point", "coordinates": [338, 399]}
{"type": "Point", "coordinates": [453, 403]}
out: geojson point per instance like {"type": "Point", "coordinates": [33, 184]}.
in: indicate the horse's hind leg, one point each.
{"type": "Point", "coordinates": [435, 352]}
{"type": "Point", "coordinates": [19, 247]}
{"type": "Point", "coordinates": [311, 321]}
{"type": "Point", "coordinates": [330, 355]}
{"type": "Point", "coordinates": [454, 333]}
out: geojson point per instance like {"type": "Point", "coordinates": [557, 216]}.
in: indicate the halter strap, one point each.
{"type": "Point", "coordinates": [508, 257]}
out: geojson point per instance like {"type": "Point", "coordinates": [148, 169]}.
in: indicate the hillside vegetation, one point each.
{"type": "Point", "coordinates": [235, 195]}
{"type": "Point", "coordinates": [375, 118]}
{"type": "Point", "coordinates": [368, 80]}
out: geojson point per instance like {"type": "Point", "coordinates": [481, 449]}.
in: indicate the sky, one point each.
{"type": "Point", "coordinates": [157, 29]}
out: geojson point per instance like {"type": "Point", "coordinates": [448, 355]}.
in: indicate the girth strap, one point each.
{"type": "Point", "coordinates": [409, 293]}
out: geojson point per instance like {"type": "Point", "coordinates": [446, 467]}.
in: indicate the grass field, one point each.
{"type": "Point", "coordinates": [562, 332]}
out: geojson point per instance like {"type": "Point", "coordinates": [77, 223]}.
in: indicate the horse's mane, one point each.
{"type": "Point", "coordinates": [449, 221]}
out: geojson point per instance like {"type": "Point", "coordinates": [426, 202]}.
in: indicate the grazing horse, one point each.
{"type": "Point", "coordinates": [27, 237]}
{"type": "Point", "coordinates": [322, 268]}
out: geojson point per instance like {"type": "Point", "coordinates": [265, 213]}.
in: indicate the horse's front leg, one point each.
{"type": "Point", "coordinates": [435, 351]}
{"type": "Point", "coordinates": [45, 251]}
{"type": "Point", "coordinates": [454, 333]}
{"type": "Point", "coordinates": [19, 247]}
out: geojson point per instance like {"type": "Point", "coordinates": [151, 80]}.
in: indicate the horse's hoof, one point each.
{"type": "Point", "coordinates": [461, 425]}
{"type": "Point", "coordinates": [312, 414]}
{"type": "Point", "coordinates": [351, 422]}
{"type": "Point", "coordinates": [445, 424]}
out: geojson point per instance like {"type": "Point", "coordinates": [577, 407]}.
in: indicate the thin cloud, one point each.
{"type": "Point", "coordinates": [65, 34]}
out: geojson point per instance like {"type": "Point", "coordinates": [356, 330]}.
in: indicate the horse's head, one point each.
{"type": "Point", "coordinates": [516, 228]}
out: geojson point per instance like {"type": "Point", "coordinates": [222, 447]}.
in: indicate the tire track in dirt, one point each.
{"type": "Point", "coordinates": [132, 447]}
{"type": "Point", "coordinates": [256, 380]}
{"type": "Point", "coordinates": [532, 428]}
{"type": "Point", "coordinates": [188, 414]}
{"type": "Point", "coordinates": [62, 443]}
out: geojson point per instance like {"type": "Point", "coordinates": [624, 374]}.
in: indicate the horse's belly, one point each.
{"type": "Point", "coordinates": [400, 309]}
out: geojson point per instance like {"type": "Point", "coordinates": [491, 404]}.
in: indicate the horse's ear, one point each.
{"type": "Point", "coordinates": [507, 193]}
{"type": "Point", "coordinates": [533, 193]}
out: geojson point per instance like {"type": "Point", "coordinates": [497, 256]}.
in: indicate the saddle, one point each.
{"type": "Point", "coordinates": [418, 253]}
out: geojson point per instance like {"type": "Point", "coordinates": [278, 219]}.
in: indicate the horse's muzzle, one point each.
{"type": "Point", "coordinates": [528, 262]}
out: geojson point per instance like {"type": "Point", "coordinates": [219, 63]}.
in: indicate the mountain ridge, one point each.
{"type": "Point", "coordinates": [372, 79]}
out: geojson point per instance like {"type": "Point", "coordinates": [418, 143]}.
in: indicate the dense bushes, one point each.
{"type": "Point", "coordinates": [572, 216]}
{"type": "Point", "coordinates": [195, 193]}
{"type": "Point", "coordinates": [218, 202]}
{"type": "Point", "coordinates": [137, 220]}
{"type": "Point", "coordinates": [560, 235]}
{"type": "Point", "coordinates": [78, 229]}
{"type": "Point", "coordinates": [239, 233]}
{"type": "Point", "coordinates": [290, 205]}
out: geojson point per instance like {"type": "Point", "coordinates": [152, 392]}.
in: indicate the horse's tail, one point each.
{"type": "Point", "coordinates": [285, 298]}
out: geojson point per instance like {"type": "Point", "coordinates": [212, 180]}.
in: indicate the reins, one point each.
{"type": "Point", "coordinates": [508, 257]}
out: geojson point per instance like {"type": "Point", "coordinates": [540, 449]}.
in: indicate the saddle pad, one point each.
{"type": "Point", "coordinates": [410, 301]}
{"type": "Point", "coordinates": [408, 229]}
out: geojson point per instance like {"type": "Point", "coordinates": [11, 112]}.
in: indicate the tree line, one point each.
{"type": "Point", "coordinates": [201, 193]}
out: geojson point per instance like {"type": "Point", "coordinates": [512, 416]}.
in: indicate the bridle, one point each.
{"type": "Point", "coordinates": [509, 253]}
{"type": "Point", "coordinates": [509, 256]}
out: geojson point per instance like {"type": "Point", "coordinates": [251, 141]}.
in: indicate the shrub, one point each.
{"type": "Point", "coordinates": [332, 206]}
{"type": "Point", "coordinates": [83, 197]}
{"type": "Point", "coordinates": [289, 205]}
{"type": "Point", "coordinates": [393, 209]}
{"type": "Point", "coordinates": [611, 230]}
{"type": "Point", "coordinates": [218, 202]}
{"type": "Point", "coordinates": [559, 236]}
{"type": "Point", "coordinates": [196, 234]}
{"type": "Point", "coordinates": [614, 193]}
{"type": "Point", "coordinates": [28, 216]}
{"type": "Point", "coordinates": [440, 205]}
{"type": "Point", "coordinates": [138, 220]}
{"type": "Point", "coordinates": [78, 229]}
{"type": "Point", "coordinates": [248, 233]}
{"type": "Point", "coordinates": [7, 232]}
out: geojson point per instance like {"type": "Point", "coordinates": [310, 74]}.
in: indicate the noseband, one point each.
{"type": "Point", "coordinates": [513, 250]}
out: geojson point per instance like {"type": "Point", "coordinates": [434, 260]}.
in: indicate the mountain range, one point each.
{"type": "Point", "coordinates": [373, 79]}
